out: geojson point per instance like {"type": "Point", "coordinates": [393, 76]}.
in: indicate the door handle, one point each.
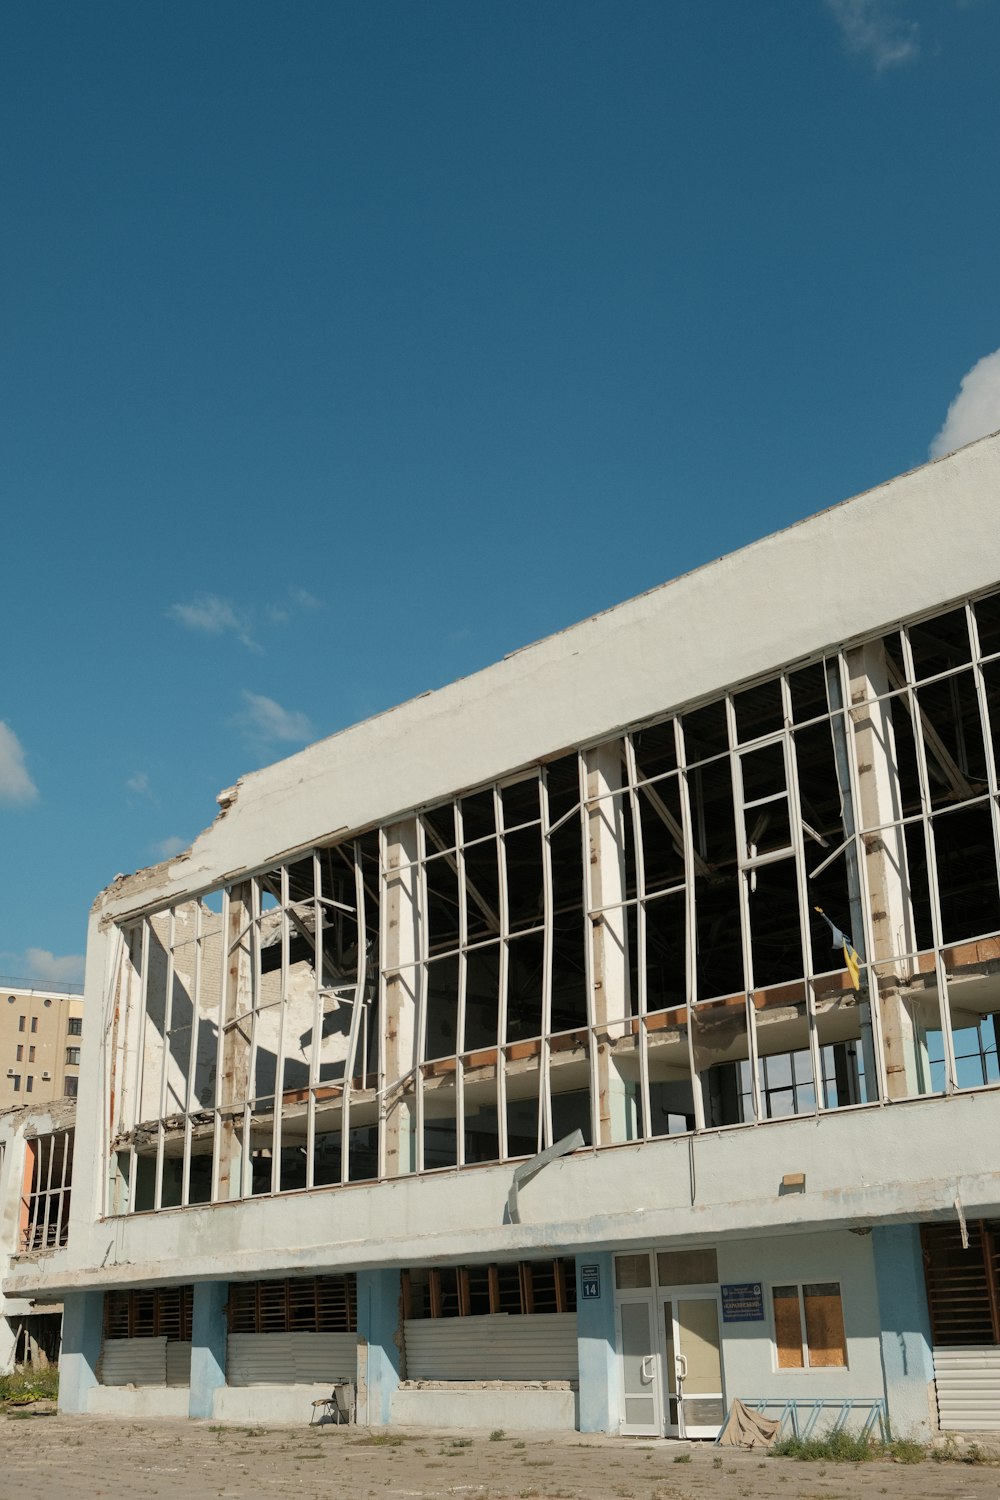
{"type": "Point", "coordinates": [681, 1366]}
{"type": "Point", "coordinates": [646, 1370]}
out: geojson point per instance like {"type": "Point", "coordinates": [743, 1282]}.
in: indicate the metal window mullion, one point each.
{"type": "Point", "coordinates": [190, 1101]}
{"type": "Point", "coordinates": [358, 1016]}
{"type": "Point", "coordinates": [588, 948]}
{"type": "Point", "coordinates": [158, 1179]}
{"type": "Point", "coordinates": [140, 1051]}
{"type": "Point", "coordinates": [746, 942]}
{"type": "Point", "coordinates": [224, 952]}
{"type": "Point", "coordinates": [463, 983]}
{"type": "Point", "coordinates": [319, 921]}
{"type": "Point", "coordinates": [690, 921]}
{"type": "Point", "coordinates": [640, 935]}
{"type": "Point", "coordinates": [421, 989]}
{"type": "Point", "coordinates": [168, 1009]}
{"type": "Point", "coordinates": [383, 939]}
{"type": "Point", "coordinates": [503, 967]}
{"type": "Point", "coordinates": [944, 1006]}
{"type": "Point", "coordinates": [279, 1061]}
{"type": "Point", "coordinates": [255, 991]}
{"type": "Point", "coordinates": [802, 888]}
{"type": "Point", "coordinates": [986, 730]}
{"type": "Point", "coordinates": [548, 941]}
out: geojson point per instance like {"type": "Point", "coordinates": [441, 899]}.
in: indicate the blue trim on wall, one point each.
{"type": "Point", "coordinates": [905, 1330]}
{"type": "Point", "coordinates": [599, 1405]}
{"type": "Point", "coordinates": [82, 1330]}
{"type": "Point", "coordinates": [379, 1326]}
{"type": "Point", "coordinates": [208, 1345]}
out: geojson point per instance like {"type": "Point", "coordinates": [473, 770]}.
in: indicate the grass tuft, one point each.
{"type": "Point", "coordinates": [848, 1448]}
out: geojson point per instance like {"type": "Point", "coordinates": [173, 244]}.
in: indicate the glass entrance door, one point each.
{"type": "Point", "coordinates": [689, 1332]}
{"type": "Point", "coordinates": [640, 1366]}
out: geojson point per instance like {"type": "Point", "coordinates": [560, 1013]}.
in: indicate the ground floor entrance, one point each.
{"type": "Point", "coordinates": [669, 1345]}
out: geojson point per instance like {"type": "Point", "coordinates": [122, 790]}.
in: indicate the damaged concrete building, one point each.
{"type": "Point", "coordinates": [593, 1041]}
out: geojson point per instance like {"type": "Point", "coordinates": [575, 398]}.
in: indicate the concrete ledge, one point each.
{"type": "Point", "coordinates": [267, 1404]}
{"type": "Point", "coordinates": [515, 1408]}
{"type": "Point", "coordinates": [138, 1400]}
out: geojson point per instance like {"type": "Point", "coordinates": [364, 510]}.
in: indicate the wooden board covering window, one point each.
{"type": "Point", "coordinates": [149, 1312]}
{"type": "Point", "coordinates": [517, 1288]}
{"type": "Point", "coordinates": [298, 1304]}
{"type": "Point", "coordinates": [824, 1317]}
{"type": "Point", "coordinates": [787, 1327]}
{"type": "Point", "coordinates": [963, 1284]}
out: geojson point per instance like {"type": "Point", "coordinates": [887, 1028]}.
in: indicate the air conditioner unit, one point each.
{"type": "Point", "coordinates": [46, 1074]}
{"type": "Point", "coordinates": [10, 1072]}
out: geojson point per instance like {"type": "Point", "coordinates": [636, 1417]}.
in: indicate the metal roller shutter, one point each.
{"type": "Point", "coordinates": [291, 1358]}
{"type": "Point", "coordinates": [497, 1346]}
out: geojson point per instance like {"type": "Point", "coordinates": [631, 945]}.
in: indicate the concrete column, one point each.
{"type": "Point", "coordinates": [905, 1330]}
{"type": "Point", "coordinates": [380, 1336]}
{"type": "Point", "coordinates": [83, 1314]}
{"type": "Point", "coordinates": [208, 1345]}
{"type": "Point", "coordinates": [400, 1023]}
{"type": "Point", "coordinates": [893, 926]}
{"type": "Point", "coordinates": [236, 1038]}
{"type": "Point", "coordinates": [599, 1399]}
{"type": "Point", "coordinates": [8, 1343]}
{"type": "Point", "coordinates": [612, 1001]}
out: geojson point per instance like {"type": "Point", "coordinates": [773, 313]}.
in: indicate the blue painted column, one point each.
{"type": "Point", "coordinates": [380, 1328]}
{"type": "Point", "coordinates": [82, 1328]}
{"type": "Point", "coordinates": [208, 1345]}
{"type": "Point", "coordinates": [595, 1323]}
{"type": "Point", "coordinates": [904, 1329]}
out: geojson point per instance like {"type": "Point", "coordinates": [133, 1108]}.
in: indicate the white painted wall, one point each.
{"type": "Point", "coordinates": [526, 1410]}
{"type": "Point", "coordinates": [748, 1348]}
{"type": "Point", "coordinates": [267, 1403]}
{"type": "Point", "coordinates": [138, 1401]}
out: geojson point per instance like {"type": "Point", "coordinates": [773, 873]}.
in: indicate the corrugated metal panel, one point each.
{"type": "Point", "coordinates": [291, 1358]}
{"type": "Point", "coordinates": [178, 1363]}
{"type": "Point", "coordinates": [968, 1388]}
{"type": "Point", "coordinates": [134, 1362]}
{"type": "Point", "coordinates": [498, 1346]}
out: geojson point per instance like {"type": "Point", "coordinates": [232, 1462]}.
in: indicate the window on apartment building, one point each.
{"type": "Point", "coordinates": [809, 1326]}
{"type": "Point", "coordinates": [34, 1024]}
{"type": "Point", "coordinates": [71, 1086]}
{"type": "Point", "coordinates": [149, 1313]}
{"type": "Point", "coordinates": [299, 1304]}
{"type": "Point", "coordinates": [517, 1287]}
{"type": "Point", "coordinates": [75, 1027]}
{"type": "Point", "coordinates": [20, 1022]}
{"type": "Point", "coordinates": [31, 1054]}
{"type": "Point", "coordinates": [20, 1053]}
{"type": "Point", "coordinates": [15, 1083]}
{"type": "Point", "coordinates": [73, 1055]}
{"type": "Point", "coordinates": [29, 1083]}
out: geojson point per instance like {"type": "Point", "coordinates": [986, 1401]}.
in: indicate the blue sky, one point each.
{"type": "Point", "coordinates": [348, 347]}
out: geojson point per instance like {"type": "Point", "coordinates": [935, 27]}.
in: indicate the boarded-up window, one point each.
{"type": "Point", "coordinates": [149, 1312]}
{"type": "Point", "coordinates": [788, 1327]}
{"type": "Point", "coordinates": [538, 1286]}
{"type": "Point", "coordinates": [809, 1326]}
{"type": "Point", "coordinates": [299, 1304]}
{"type": "Point", "coordinates": [963, 1283]}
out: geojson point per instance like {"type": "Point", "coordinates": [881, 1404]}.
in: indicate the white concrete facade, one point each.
{"type": "Point", "coordinates": [578, 890]}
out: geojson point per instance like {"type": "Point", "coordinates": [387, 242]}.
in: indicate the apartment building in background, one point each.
{"type": "Point", "coordinates": [41, 1031]}
{"type": "Point", "coordinates": [607, 1035]}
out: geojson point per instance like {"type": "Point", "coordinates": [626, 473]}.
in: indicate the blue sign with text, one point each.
{"type": "Point", "coordinates": [590, 1282]}
{"type": "Point", "coordinates": [743, 1302]}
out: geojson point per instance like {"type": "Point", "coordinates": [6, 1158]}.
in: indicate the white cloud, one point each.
{"type": "Point", "coordinates": [167, 848]}
{"type": "Point", "coordinates": [305, 600]}
{"type": "Point", "coordinates": [41, 967]}
{"type": "Point", "coordinates": [16, 785]}
{"type": "Point", "coordinates": [139, 784]}
{"type": "Point", "coordinates": [874, 30]}
{"type": "Point", "coordinates": [975, 411]}
{"type": "Point", "coordinates": [212, 615]}
{"type": "Point", "coordinates": [265, 720]}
